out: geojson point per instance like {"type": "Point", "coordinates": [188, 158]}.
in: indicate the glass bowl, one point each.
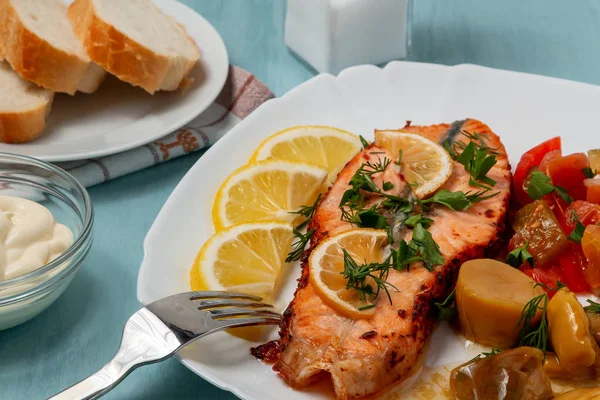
{"type": "Point", "coordinates": [25, 296]}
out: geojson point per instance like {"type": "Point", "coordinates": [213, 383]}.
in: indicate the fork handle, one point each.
{"type": "Point", "coordinates": [105, 379]}
{"type": "Point", "coordinates": [145, 340]}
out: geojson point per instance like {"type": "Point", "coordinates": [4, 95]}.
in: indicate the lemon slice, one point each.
{"type": "Point", "coordinates": [325, 146]}
{"type": "Point", "coordinates": [326, 265]}
{"type": "Point", "coordinates": [424, 163]}
{"type": "Point", "coordinates": [245, 258]}
{"type": "Point", "coordinates": [268, 190]}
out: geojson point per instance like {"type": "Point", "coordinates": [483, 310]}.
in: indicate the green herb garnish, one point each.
{"type": "Point", "coordinates": [360, 276]}
{"type": "Point", "coordinates": [299, 245]}
{"type": "Point", "coordinates": [520, 256]}
{"type": "Point", "coordinates": [593, 307]}
{"type": "Point", "coordinates": [577, 233]}
{"type": "Point", "coordinates": [530, 335]}
{"type": "Point", "coordinates": [426, 247]}
{"type": "Point", "coordinates": [308, 211]}
{"type": "Point", "coordinates": [456, 201]}
{"type": "Point", "coordinates": [364, 142]}
{"type": "Point", "coordinates": [540, 185]}
{"type": "Point", "coordinates": [446, 309]}
{"type": "Point", "coordinates": [413, 220]}
{"type": "Point", "coordinates": [589, 173]}
{"type": "Point", "coordinates": [477, 158]}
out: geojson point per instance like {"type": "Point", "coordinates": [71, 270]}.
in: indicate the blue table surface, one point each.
{"type": "Point", "coordinates": [81, 331]}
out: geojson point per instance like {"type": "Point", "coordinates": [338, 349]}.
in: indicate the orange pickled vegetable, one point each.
{"type": "Point", "coordinates": [535, 223]}
{"type": "Point", "coordinates": [590, 243]}
{"type": "Point", "coordinates": [567, 172]}
{"type": "Point", "coordinates": [593, 190]}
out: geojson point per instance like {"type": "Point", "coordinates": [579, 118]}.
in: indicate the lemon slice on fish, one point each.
{"type": "Point", "coordinates": [424, 163]}
{"type": "Point", "coordinates": [325, 146]}
{"type": "Point", "coordinates": [327, 263]}
{"type": "Point", "coordinates": [244, 258]}
{"type": "Point", "coordinates": [268, 190]}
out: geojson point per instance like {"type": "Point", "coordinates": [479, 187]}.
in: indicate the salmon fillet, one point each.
{"type": "Point", "coordinates": [364, 358]}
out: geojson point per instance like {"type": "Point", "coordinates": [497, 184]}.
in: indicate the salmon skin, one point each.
{"type": "Point", "coordinates": [365, 358]}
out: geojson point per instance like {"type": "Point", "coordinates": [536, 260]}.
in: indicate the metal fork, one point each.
{"type": "Point", "coordinates": [160, 329]}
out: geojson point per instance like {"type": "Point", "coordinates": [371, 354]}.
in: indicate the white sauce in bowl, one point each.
{"type": "Point", "coordinates": [30, 237]}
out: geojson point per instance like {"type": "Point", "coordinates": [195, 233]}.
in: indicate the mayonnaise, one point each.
{"type": "Point", "coordinates": [29, 237]}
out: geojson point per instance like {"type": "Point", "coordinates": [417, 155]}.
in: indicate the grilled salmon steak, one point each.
{"type": "Point", "coordinates": [366, 357]}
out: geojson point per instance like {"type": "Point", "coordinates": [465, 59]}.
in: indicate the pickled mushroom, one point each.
{"type": "Point", "coordinates": [569, 332]}
{"type": "Point", "coordinates": [515, 374]}
{"type": "Point", "coordinates": [490, 297]}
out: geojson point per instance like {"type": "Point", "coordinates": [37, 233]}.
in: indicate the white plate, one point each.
{"type": "Point", "coordinates": [119, 117]}
{"type": "Point", "coordinates": [523, 109]}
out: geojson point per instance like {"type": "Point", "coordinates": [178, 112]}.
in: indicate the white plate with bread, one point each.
{"type": "Point", "coordinates": [88, 78]}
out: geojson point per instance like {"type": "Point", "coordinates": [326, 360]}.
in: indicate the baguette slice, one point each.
{"type": "Point", "coordinates": [135, 41]}
{"type": "Point", "coordinates": [37, 40]}
{"type": "Point", "coordinates": [23, 107]}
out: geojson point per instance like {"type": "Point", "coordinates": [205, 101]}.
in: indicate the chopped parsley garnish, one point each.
{"type": "Point", "coordinates": [477, 158]}
{"type": "Point", "coordinates": [426, 247]}
{"type": "Point", "coordinates": [540, 185]}
{"type": "Point", "coordinates": [589, 173]}
{"type": "Point", "coordinates": [446, 309]}
{"type": "Point", "coordinates": [414, 220]}
{"type": "Point", "coordinates": [520, 256]}
{"type": "Point", "coordinates": [457, 201]}
{"type": "Point", "coordinates": [577, 233]}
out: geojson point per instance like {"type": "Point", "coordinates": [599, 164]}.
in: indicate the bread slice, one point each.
{"type": "Point", "coordinates": [23, 107]}
{"type": "Point", "coordinates": [135, 41]}
{"type": "Point", "coordinates": [37, 40]}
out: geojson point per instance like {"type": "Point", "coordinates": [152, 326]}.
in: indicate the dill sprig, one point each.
{"type": "Point", "coordinates": [299, 245]}
{"type": "Point", "coordinates": [536, 336]}
{"type": "Point", "coordinates": [308, 211]}
{"type": "Point", "coordinates": [593, 307]}
{"type": "Point", "coordinates": [354, 205]}
{"type": "Point", "coordinates": [361, 278]}
{"type": "Point", "coordinates": [528, 334]}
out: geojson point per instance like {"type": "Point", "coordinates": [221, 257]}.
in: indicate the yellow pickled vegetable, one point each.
{"type": "Point", "coordinates": [556, 371]}
{"type": "Point", "coordinates": [594, 156]}
{"type": "Point", "coordinates": [509, 375]}
{"type": "Point", "coordinates": [490, 297]}
{"type": "Point", "coordinates": [569, 332]}
{"type": "Point", "coordinates": [581, 394]}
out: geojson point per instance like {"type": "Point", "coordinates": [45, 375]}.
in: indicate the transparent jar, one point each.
{"type": "Point", "coordinates": [331, 35]}
{"type": "Point", "coordinates": [25, 296]}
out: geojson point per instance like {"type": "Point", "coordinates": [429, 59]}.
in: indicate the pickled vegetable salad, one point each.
{"type": "Point", "coordinates": [555, 211]}
{"type": "Point", "coordinates": [365, 356]}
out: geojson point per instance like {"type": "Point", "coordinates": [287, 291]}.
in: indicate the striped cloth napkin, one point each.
{"type": "Point", "coordinates": [240, 96]}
